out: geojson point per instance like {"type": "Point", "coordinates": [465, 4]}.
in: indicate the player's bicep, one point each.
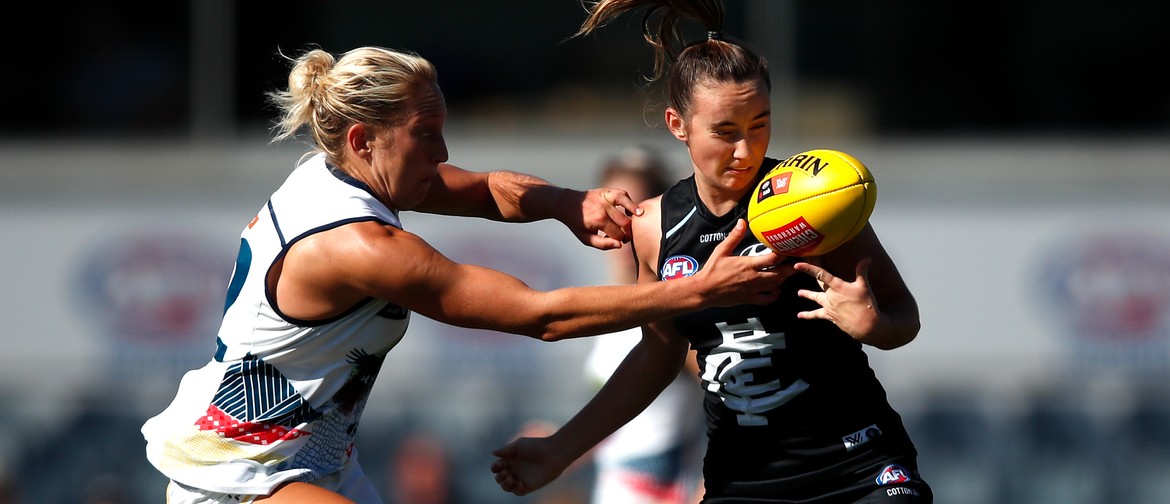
{"type": "Point", "coordinates": [884, 279]}
{"type": "Point", "coordinates": [407, 271]}
{"type": "Point", "coordinates": [647, 238]}
{"type": "Point", "coordinates": [455, 191]}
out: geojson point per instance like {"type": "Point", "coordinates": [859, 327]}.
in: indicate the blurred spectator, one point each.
{"type": "Point", "coordinates": [106, 488]}
{"type": "Point", "coordinates": [9, 490]}
{"type": "Point", "coordinates": [420, 472]}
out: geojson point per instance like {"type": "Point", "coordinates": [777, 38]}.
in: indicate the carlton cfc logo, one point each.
{"type": "Point", "coordinates": [679, 266]}
{"type": "Point", "coordinates": [892, 475]}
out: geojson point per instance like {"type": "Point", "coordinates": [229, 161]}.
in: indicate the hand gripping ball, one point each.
{"type": "Point", "coordinates": [812, 202]}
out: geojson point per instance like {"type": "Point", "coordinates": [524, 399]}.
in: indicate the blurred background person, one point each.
{"type": "Point", "coordinates": [9, 490]}
{"type": "Point", "coordinates": [656, 458]}
{"type": "Point", "coordinates": [420, 472]}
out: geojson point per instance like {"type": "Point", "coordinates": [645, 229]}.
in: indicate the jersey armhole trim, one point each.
{"type": "Point", "coordinates": [271, 296]}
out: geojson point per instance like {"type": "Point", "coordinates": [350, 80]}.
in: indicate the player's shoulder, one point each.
{"type": "Point", "coordinates": [361, 239]}
{"type": "Point", "coordinates": [647, 229]}
{"type": "Point", "coordinates": [651, 216]}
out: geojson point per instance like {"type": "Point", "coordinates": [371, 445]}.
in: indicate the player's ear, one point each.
{"type": "Point", "coordinates": [676, 123]}
{"type": "Point", "coordinates": [357, 140]}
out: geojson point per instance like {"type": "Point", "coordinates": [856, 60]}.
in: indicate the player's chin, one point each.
{"type": "Point", "coordinates": [739, 179]}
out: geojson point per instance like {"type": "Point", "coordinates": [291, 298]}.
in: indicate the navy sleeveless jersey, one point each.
{"type": "Point", "coordinates": [792, 406]}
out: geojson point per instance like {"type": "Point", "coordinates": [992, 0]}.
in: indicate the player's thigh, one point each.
{"type": "Point", "coordinates": [348, 486]}
{"type": "Point", "coordinates": [178, 493]}
{"type": "Point", "coordinates": [299, 492]}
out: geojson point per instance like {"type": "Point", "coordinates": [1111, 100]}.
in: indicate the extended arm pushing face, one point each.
{"type": "Point", "coordinates": [599, 217]}
{"type": "Point", "coordinates": [329, 272]}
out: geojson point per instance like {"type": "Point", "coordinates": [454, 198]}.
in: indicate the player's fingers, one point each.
{"type": "Point", "coordinates": [508, 450]}
{"type": "Point", "coordinates": [514, 486]}
{"type": "Point", "coordinates": [618, 226]}
{"type": "Point", "coordinates": [813, 314]}
{"type": "Point", "coordinates": [771, 262]}
{"type": "Point", "coordinates": [809, 269]}
{"type": "Point", "coordinates": [812, 295]}
{"type": "Point", "coordinates": [824, 278]}
{"type": "Point", "coordinates": [603, 242]}
{"type": "Point", "coordinates": [622, 201]}
{"type": "Point", "coordinates": [862, 269]}
{"type": "Point", "coordinates": [728, 244]}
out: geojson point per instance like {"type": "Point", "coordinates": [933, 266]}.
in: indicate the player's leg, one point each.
{"type": "Point", "coordinates": [303, 493]}
{"type": "Point", "coordinates": [349, 486]}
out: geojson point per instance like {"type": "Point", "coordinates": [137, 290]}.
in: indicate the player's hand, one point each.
{"type": "Point", "coordinates": [525, 465]}
{"type": "Point", "coordinates": [604, 218]}
{"type": "Point", "coordinates": [736, 280]}
{"type": "Point", "coordinates": [850, 304]}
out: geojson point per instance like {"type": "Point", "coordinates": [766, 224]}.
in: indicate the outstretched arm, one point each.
{"type": "Point", "coordinates": [527, 464]}
{"type": "Point", "coordinates": [329, 272]}
{"type": "Point", "coordinates": [472, 296]}
{"type": "Point", "coordinates": [598, 217]}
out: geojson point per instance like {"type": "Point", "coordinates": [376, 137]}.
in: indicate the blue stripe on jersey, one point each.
{"type": "Point", "coordinates": [239, 274]}
{"type": "Point", "coordinates": [220, 349]}
{"type": "Point", "coordinates": [276, 224]}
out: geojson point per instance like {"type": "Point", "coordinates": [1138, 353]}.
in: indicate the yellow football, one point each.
{"type": "Point", "coordinates": [812, 202]}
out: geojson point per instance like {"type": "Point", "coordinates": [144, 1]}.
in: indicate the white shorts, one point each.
{"type": "Point", "coordinates": [350, 482]}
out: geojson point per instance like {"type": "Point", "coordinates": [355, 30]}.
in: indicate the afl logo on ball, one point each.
{"type": "Point", "coordinates": [678, 267]}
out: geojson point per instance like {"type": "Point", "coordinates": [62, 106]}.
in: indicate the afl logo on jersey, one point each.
{"type": "Point", "coordinates": [679, 266]}
{"type": "Point", "coordinates": [892, 475]}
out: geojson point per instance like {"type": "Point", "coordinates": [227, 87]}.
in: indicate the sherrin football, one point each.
{"type": "Point", "coordinates": [812, 202]}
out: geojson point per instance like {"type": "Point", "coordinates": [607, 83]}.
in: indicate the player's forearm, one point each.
{"type": "Point", "coordinates": [897, 325]}
{"type": "Point", "coordinates": [455, 191]}
{"type": "Point", "coordinates": [478, 297]}
{"type": "Point", "coordinates": [497, 195]}
{"type": "Point", "coordinates": [642, 375]}
{"type": "Point", "coordinates": [586, 311]}
{"type": "Point", "coordinates": [521, 197]}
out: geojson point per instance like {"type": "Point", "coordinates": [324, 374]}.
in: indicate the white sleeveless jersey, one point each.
{"type": "Point", "coordinates": [671, 420]}
{"type": "Point", "coordinates": [281, 399]}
